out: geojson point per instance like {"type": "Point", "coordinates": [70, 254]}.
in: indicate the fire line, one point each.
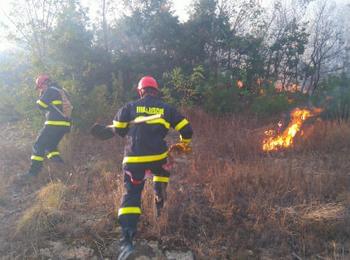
{"type": "Point", "coordinates": [275, 142]}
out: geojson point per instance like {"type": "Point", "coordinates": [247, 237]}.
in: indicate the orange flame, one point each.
{"type": "Point", "coordinates": [273, 142]}
{"type": "Point", "coordinates": [240, 84]}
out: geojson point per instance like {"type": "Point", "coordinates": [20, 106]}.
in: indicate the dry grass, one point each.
{"type": "Point", "coordinates": [325, 212]}
{"type": "Point", "coordinates": [45, 211]}
{"type": "Point", "coordinates": [231, 198]}
{"type": "Point", "coordinates": [228, 200]}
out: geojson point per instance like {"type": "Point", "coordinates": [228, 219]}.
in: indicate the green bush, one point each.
{"type": "Point", "coordinates": [91, 107]}
{"type": "Point", "coordinates": [267, 105]}
{"type": "Point", "coordinates": [183, 90]}
{"type": "Point", "coordinates": [19, 104]}
{"type": "Point", "coordinates": [222, 100]}
{"type": "Point", "coordinates": [334, 96]}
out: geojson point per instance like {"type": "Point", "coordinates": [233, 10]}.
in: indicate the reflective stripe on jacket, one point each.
{"type": "Point", "coordinates": [52, 97]}
{"type": "Point", "coordinates": [145, 141]}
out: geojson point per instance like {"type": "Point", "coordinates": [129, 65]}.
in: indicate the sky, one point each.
{"type": "Point", "coordinates": [180, 6]}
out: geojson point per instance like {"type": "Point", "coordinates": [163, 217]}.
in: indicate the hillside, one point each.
{"type": "Point", "coordinates": [227, 200]}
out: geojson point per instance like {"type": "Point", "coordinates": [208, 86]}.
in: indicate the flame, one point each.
{"type": "Point", "coordinates": [273, 142]}
{"type": "Point", "coordinates": [240, 84]}
{"type": "Point", "coordinates": [290, 87]}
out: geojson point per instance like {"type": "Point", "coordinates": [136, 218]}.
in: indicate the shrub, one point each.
{"type": "Point", "coordinates": [334, 96]}
{"type": "Point", "coordinates": [181, 89]}
{"type": "Point", "coordinates": [220, 100]}
{"type": "Point", "coordinates": [268, 105]}
{"type": "Point", "coordinates": [91, 106]}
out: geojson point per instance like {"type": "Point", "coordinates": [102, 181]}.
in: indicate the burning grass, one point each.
{"type": "Point", "coordinates": [276, 141]}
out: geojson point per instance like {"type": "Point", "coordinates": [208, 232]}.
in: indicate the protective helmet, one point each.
{"type": "Point", "coordinates": [146, 82]}
{"type": "Point", "coordinates": [41, 80]}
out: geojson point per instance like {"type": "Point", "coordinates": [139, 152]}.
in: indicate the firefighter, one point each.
{"type": "Point", "coordinates": [145, 152]}
{"type": "Point", "coordinates": [54, 101]}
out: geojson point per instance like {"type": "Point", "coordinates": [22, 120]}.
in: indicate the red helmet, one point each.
{"type": "Point", "coordinates": [41, 80]}
{"type": "Point", "coordinates": [147, 82]}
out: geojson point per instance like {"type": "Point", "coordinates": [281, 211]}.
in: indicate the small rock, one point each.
{"type": "Point", "coordinates": [56, 246]}
{"type": "Point", "coordinates": [175, 255]}
{"type": "Point", "coordinates": [45, 252]}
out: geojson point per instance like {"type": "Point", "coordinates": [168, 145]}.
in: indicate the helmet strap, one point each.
{"type": "Point", "coordinates": [140, 92]}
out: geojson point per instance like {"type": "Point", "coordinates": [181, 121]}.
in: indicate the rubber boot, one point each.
{"type": "Point", "coordinates": [34, 169]}
{"type": "Point", "coordinates": [126, 245]}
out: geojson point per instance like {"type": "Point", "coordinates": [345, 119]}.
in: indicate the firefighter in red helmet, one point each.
{"type": "Point", "coordinates": [54, 101]}
{"type": "Point", "coordinates": [145, 152]}
{"type": "Point", "coordinates": [146, 82]}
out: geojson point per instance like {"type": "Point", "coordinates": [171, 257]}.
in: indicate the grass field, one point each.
{"type": "Point", "coordinates": [226, 200]}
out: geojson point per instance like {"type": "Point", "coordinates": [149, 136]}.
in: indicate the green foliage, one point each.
{"type": "Point", "coordinates": [17, 94]}
{"type": "Point", "coordinates": [268, 105]}
{"type": "Point", "coordinates": [183, 90]}
{"type": "Point", "coordinates": [334, 96]}
{"type": "Point", "coordinates": [70, 50]}
{"type": "Point", "coordinates": [7, 106]}
{"type": "Point", "coordinates": [221, 100]}
{"type": "Point", "coordinates": [94, 106]}
{"type": "Point", "coordinates": [232, 41]}
{"type": "Point", "coordinates": [19, 105]}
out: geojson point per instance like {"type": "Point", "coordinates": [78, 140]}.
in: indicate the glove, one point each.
{"type": "Point", "coordinates": [180, 147]}
{"type": "Point", "coordinates": [101, 132]}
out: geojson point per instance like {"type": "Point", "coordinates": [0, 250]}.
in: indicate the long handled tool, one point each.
{"type": "Point", "coordinates": [57, 110]}
{"type": "Point", "coordinates": [141, 119]}
{"type": "Point", "coordinates": [104, 132]}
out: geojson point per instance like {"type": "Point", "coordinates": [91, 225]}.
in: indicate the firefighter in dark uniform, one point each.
{"type": "Point", "coordinates": [53, 99]}
{"type": "Point", "coordinates": [146, 150]}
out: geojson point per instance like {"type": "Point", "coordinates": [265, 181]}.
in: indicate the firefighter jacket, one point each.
{"type": "Point", "coordinates": [145, 141]}
{"type": "Point", "coordinates": [51, 101]}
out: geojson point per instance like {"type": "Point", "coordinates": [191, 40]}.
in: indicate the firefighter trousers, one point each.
{"type": "Point", "coordinates": [134, 181]}
{"type": "Point", "coordinates": [46, 144]}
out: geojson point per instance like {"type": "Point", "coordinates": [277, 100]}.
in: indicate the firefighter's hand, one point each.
{"type": "Point", "coordinates": [180, 147]}
{"type": "Point", "coordinates": [101, 132]}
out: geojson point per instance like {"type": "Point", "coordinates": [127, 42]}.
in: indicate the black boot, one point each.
{"type": "Point", "coordinates": [126, 245]}
{"type": "Point", "coordinates": [33, 171]}
{"type": "Point", "coordinates": [56, 159]}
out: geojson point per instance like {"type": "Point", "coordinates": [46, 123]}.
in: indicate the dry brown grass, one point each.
{"type": "Point", "coordinates": [41, 217]}
{"type": "Point", "coordinates": [231, 198]}
{"type": "Point", "coordinates": [228, 200]}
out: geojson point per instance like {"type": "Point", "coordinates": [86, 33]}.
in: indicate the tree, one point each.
{"type": "Point", "coordinates": [326, 45]}
{"type": "Point", "coordinates": [31, 24]}
{"type": "Point", "coordinates": [145, 40]}
{"type": "Point", "coordinates": [70, 44]}
{"type": "Point", "coordinates": [286, 39]}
